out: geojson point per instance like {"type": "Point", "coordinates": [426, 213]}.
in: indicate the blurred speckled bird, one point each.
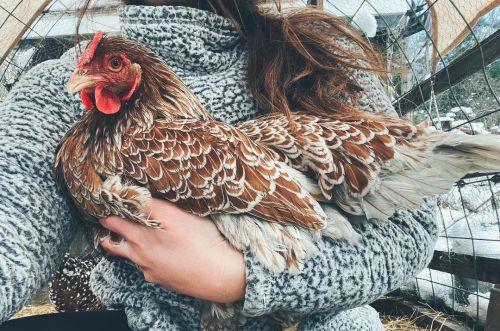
{"type": "Point", "coordinates": [69, 289]}
{"type": "Point", "coordinates": [269, 187]}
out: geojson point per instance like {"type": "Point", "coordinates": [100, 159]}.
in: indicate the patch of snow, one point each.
{"type": "Point", "coordinates": [478, 127]}
{"type": "Point", "coordinates": [375, 7]}
{"type": "Point", "coordinates": [366, 22]}
{"type": "Point", "coordinates": [469, 224]}
{"type": "Point", "coordinates": [23, 57]}
{"type": "Point", "coordinates": [72, 5]}
{"type": "Point", "coordinates": [443, 119]}
{"type": "Point", "coordinates": [64, 25]}
{"type": "Point", "coordinates": [469, 212]}
{"type": "Point", "coordinates": [466, 110]}
{"type": "Point", "coordinates": [438, 287]}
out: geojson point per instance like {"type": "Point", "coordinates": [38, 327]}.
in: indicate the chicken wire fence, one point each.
{"type": "Point", "coordinates": [442, 58]}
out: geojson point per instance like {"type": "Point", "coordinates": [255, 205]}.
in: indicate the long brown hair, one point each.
{"type": "Point", "coordinates": [296, 62]}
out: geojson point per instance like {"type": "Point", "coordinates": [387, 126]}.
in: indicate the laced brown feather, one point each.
{"type": "Point", "coordinates": [164, 140]}
{"type": "Point", "coordinates": [345, 152]}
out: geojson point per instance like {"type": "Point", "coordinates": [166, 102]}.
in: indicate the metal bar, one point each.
{"type": "Point", "coordinates": [459, 69]}
{"type": "Point", "coordinates": [317, 3]}
{"type": "Point", "coordinates": [493, 317]}
{"type": "Point", "coordinates": [475, 267]}
{"type": "Point", "coordinates": [452, 286]}
{"type": "Point", "coordinates": [469, 238]}
{"type": "Point", "coordinates": [18, 22]}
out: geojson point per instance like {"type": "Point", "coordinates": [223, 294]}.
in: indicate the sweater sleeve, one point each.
{"type": "Point", "coordinates": [35, 226]}
{"type": "Point", "coordinates": [343, 276]}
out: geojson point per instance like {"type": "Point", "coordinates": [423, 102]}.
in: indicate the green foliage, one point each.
{"type": "Point", "coordinates": [494, 70]}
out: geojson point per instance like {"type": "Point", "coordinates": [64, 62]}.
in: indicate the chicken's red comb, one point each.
{"type": "Point", "coordinates": [88, 54]}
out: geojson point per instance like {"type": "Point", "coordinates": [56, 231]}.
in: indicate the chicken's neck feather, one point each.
{"type": "Point", "coordinates": [165, 95]}
{"type": "Point", "coordinates": [162, 94]}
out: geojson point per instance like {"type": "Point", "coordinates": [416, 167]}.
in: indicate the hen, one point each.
{"type": "Point", "coordinates": [69, 288]}
{"type": "Point", "coordinates": [146, 134]}
{"type": "Point", "coordinates": [268, 188]}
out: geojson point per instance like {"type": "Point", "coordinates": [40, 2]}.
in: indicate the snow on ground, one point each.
{"type": "Point", "coordinates": [63, 5]}
{"type": "Point", "coordinates": [23, 58]}
{"type": "Point", "coordinates": [436, 287]}
{"type": "Point", "coordinates": [468, 219]}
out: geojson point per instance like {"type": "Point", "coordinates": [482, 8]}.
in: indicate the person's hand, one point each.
{"type": "Point", "coordinates": [187, 254]}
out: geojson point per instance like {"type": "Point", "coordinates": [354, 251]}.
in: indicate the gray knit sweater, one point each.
{"type": "Point", "coordinates": [207, 52]}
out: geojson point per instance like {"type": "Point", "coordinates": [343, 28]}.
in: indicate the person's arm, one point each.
{"type": "Point", "coordinates": [35, 227]}
{"type": "Point", "coordinates": [188, 255]}
{"type": "Point", "coordinates": [343, 276]}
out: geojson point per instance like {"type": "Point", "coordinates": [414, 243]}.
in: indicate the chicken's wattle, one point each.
{"type": "Point", "coordinates": [87, 99]}
{"type": "Point", "coordinates": [105, 101]}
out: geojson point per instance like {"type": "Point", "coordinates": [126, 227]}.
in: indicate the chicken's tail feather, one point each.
{"type": "Point", "coordinates": [431, 170]}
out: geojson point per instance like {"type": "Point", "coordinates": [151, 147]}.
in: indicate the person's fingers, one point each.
{"type": "Point", "coordinates": [124, 228]}
{"type": "Point", "coordinates": [159, 209]}
{"type": "Point", "coordinates": [116, 246]}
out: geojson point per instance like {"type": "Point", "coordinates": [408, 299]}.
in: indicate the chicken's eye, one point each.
{"type": "Point", "coordinates": [115, 64]}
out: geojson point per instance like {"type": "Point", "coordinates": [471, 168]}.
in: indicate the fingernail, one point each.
{"type": "Point", "coordinates": [115, 239]}
{"type": "Point", "coordinates": [101, 239]}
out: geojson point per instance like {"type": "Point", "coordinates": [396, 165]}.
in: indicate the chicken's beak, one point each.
{"type": "Point", "coordinates": [79, 80]}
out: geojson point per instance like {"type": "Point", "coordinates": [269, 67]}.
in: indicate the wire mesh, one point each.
{"type": "Point", "coordinates": [420, 46]}
{"type": "Point", "coordinates": [48, 35]}
{"type": "Point", "coordinates": [418, 62]}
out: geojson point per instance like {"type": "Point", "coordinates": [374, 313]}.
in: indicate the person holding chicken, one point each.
{"type": "Point", "coordinates": [239, 62]}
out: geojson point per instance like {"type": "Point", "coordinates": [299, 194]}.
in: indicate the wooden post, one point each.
{"type": "Point", "coordinates": [15, 19]}
{"type": "Point", "coordinates": [455, 72]}
{"type": "Point", "coordinates": [493, 316]}
{"type": "Point", "coordinates": [317, 3]}
{"type": "Point", "coordinates": [475, 267]}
